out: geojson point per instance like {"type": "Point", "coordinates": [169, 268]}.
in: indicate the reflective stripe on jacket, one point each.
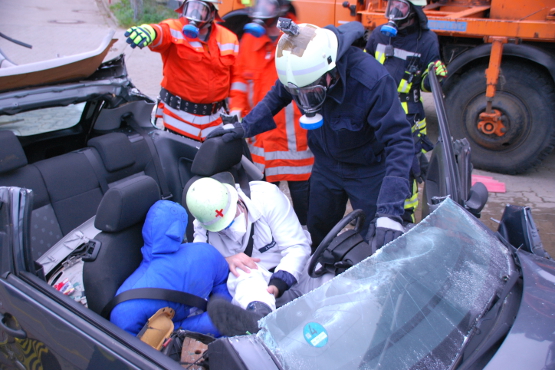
{"type": "Point", "coordinates": [410, 42]}
{"type": "Point", "coordinates": [196, 71]}
{"type": "Point", "coordinates": [283, 153]}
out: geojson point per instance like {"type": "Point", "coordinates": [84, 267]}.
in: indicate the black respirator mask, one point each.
{"type": "Point", "coordinates": [264, 14]}
{"type": "Point", "coordinates": [397, 12]}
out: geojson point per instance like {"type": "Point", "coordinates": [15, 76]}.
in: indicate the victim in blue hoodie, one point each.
{"type": "Point", "coordinates": [195, 268]}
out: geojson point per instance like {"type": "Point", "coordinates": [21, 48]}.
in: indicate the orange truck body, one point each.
{"type": "Point", "coordinates": [493, 36]}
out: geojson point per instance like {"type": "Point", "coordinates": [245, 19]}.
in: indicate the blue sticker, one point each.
{"type": "Point", "coordinates": [315, 334]}
{"type": "Point", "coordinates": [447, 25]}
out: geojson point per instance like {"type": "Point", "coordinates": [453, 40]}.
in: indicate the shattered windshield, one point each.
{"type": "Point", "coordinates": [413, 305]}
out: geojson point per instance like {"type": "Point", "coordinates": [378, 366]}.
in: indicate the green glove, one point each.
{"type": "Point", "coordinates": [441, 69]}
{"type": "Point", "coordinates": [140, 36]}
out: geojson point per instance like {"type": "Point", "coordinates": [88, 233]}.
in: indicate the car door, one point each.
{"type": "Point", "coordinates": [42, 329]}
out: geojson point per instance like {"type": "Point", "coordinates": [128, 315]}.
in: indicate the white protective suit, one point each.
{"type": "Point", "coordinates": [279, 242]}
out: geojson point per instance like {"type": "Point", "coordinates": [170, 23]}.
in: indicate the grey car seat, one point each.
{"type": "Point", "coordinates": [218, 159]}
{"type": "Point", "coordinates": [120, 218]}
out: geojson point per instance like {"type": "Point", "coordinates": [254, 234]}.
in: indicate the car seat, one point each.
{"type": "Point", "coordinates": [218, 159]}
{"type": "Point", "coordinates": [120, 218]}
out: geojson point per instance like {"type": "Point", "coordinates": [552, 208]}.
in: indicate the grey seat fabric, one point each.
{"type": "Point", "coordinates": [68, 188]}
{"type": "Point", "coordinates": [120, 218]}
{"type": "Point", "coordinates": [15, 171]}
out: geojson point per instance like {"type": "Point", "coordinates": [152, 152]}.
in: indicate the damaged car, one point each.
{"type": "Point", "coordinates": [80, 165]}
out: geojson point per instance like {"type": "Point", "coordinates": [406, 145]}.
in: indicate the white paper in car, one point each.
{"type": "Point", "coordinates": [410, 306]}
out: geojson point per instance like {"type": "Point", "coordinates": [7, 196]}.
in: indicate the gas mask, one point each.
{"type": "Point", "coordinates": [199, 13]}
{"type": "Point", "coordinates": [311, 98]}
{"type": "Point", "coordinates": [264, 14]}
{"type": "Point", "coordinates": [397, 12]}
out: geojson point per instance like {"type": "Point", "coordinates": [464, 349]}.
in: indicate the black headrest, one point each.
{"type": "Point", "coordinates": [12, 155]}
{"type": "Point", "coordinates": [215, 155]}
{"type": "Point", "coordinates": [115, 150]}
{"type": "Point", "coordinates": [126, 204]}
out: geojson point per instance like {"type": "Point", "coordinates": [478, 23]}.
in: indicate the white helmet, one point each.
{"type": "Point", "coordinates": [419, 2]}
{"type": "Point", "coordinates": [303, 58]}
{"type": "Point", "coordinates": [212, 203]}
{"type": "Point", "coordinates": [304, 54]}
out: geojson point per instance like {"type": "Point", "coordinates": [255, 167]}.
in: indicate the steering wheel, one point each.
{"type": "Point", "coordinates": [326, 259]}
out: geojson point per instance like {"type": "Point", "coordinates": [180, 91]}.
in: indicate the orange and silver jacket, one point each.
{"type": "Point", "coordinates": [197, 71]}
{"type": "Point", "coordinates": [283, 153]}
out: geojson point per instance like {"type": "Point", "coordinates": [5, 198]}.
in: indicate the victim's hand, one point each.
{"type": "Point", "coordinates": [272, 289]}
{"type": "Point", "coordinates": [241, 261]}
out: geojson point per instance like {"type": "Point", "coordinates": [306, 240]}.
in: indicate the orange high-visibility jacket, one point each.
{"type": "Point", "coordinates": [196, 71]}
{"type": "Point", "coordinates": [282, 154]}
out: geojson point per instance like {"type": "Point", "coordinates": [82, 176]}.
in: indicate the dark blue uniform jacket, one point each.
{"type": "Point", "coordinates": [411, 40]}
{"type": "Point", "coordinates": [196, 268]}
{"type": "Point", "coordinates": [364, 123]}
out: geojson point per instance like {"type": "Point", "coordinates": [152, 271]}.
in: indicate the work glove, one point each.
{"type": "Point", "coordinates": [229, 131]}
{"type": "Point", "coordinates": [140, 36]}
{"type": "Point", "coordinates": [441, 69]}
{"type": "Point", "coordinates": [382, 230]}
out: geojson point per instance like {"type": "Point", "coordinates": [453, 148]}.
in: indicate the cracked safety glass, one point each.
{"type": "Point", "coordinates": [412, 305]}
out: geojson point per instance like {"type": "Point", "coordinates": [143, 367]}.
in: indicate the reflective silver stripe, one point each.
{"type": "Point", "coordinates": [250, 96]}
{"type": "Point", "coordinates": [272, 156]}
{"type": "Point", "coordinates": [228, 46]}
{"type": "Point", "coordinates": [288, 170]}
{"type": "Point", "coordinates": [290, 127]}
{"type": "Point", "coordinates": [257, 150]}
{"type": "Point", "coordinates": [195, 44]}
{"type": "Point", "coordinates": [404, 86]}
{"type": "Point", "coordinates": [208, 130]}
{"type": "Point", "coordinates": [398, 53]}
{"type": "Point", "coordinates": [300, 72]}
{"type": "Point", "coordinates": [198, 120]}
{"type": "Point", "coordinates": [177, 34]}
{"type": "Point", "coordinates": [180, 125]}
{"type": "Point", "coordinates": [239, 86]}
{"type": "Point", "coordinates": [160, 34]}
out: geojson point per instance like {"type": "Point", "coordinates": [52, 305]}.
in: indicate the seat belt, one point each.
{"type": "Point", "coordinates": [154, 293]}
{"type": "Point", "coordinates": [248, 250]}
{"type": "Point", "coordinates": [166, 194]}
{"type": "Point", "coordinates": [95, 164]}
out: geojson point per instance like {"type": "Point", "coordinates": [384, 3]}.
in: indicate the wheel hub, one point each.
{"type": "Point", "coordinates": [491, 123]}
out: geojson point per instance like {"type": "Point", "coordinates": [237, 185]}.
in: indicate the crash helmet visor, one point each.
{"type": "Point", "coordinates": [310, 98]}
{"type": "Point", "coordinates": [198, 11]}
{"type": "Point", "coordinates": [397, 10]}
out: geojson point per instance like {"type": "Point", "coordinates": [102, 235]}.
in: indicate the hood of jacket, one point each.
{"type": "Point", "coordinates": [164, 229]}
{"type": "Point", "coordinates": [346, 35]}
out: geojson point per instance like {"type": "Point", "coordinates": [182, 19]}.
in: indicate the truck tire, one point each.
{"type": "Point", "coordinates": [524, 96]}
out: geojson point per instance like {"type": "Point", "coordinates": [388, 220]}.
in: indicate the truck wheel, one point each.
{"type": "Point", "coordinates": [524, 97]}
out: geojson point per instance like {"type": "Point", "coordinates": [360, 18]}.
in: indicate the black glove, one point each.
{"type": "Point", "coordinates": [228, 133]}
{"type": "Point", "coordinates": [415, 169]}
{"type": "Point", "coordinates": [382, 230]}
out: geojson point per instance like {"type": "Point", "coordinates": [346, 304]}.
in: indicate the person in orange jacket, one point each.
{"type": "Point", "coordinates": [281, 154]}
{"type": "Point", "coordinates": [198, 56]}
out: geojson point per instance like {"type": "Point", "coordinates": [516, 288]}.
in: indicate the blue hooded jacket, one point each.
{"type": "Point", "coordinates": [195, 268]}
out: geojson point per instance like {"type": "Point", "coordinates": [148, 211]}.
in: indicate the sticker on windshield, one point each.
{"type": "Point", "coordinates": [315, 334]}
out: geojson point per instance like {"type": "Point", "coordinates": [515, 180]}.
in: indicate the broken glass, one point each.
{"type": "Point", "coordinates": [412, 305]}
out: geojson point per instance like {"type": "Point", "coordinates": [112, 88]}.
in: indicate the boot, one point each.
{"type": "Point", "coordinates": [232, 320]}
